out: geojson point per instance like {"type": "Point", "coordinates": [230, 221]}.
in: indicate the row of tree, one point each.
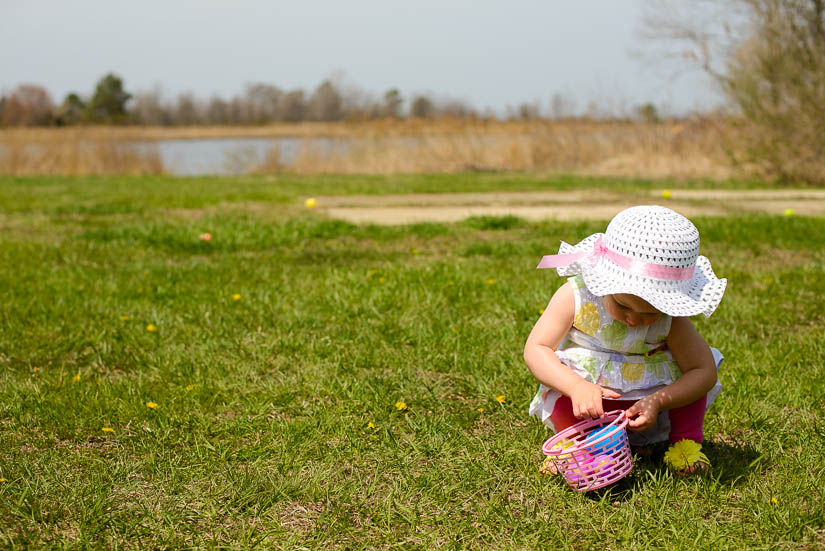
{"type": "Point", "coordinates": [110, 103]}
{"type": "Point", "coordinates": [260, 103]}
{"type": "Point", "coordinates": [32, 105]}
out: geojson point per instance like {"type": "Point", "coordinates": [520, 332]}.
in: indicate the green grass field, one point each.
{"type": "Point", "coordinates": [281, 348]}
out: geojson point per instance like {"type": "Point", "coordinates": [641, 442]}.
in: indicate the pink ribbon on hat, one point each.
{"type": "Point", "coordinates": [630, 264]}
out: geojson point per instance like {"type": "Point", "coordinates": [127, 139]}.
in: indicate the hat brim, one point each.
{"type": "Point", "coordinates": [700, 295]}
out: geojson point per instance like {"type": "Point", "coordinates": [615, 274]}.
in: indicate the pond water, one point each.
{"type": "Point", "coordinates": [235, 155]}
{"type": "Point", "coordinates": [228, 156]}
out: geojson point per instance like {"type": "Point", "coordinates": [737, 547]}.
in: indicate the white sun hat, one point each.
{"type": "Point", "coordinates": [651, 252]}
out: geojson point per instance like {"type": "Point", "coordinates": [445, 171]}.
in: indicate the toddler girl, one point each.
{"type": "Point", "coordinates": [617, 334]}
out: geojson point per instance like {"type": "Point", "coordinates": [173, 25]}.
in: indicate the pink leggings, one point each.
{"type": "Point", "coordinates": [685, 422]}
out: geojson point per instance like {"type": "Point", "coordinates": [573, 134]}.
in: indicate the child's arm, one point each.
{"type": "Point", "coordinates": [540, 355]}
{"type": "Point", "coordinates": [695, 360]}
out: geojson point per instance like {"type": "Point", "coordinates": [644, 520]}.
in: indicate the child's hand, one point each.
{"type": "Point", "coordinates": [587, 399]}
{"type": "Point", "coordinates": [643, 414]}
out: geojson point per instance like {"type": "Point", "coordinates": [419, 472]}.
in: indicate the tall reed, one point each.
{"type": "Point", "coordinates": [76, 151]}
{"type": "Point", "coordinates": [688, 149]}
{"type": "Point", "coordinates": [695, 148]}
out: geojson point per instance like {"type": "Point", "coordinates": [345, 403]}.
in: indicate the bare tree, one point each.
{"type": "Point", "coordinates": [326, 103]}
{"type": "Point", "coordinates": [292, 107]}
{"type": "Point", "coordinates": [777, 79]}
{"type": "Point", "coordinates": [235, 111]}
{"type": "Point", "coordinates": [562, 106]}
{"type": "Point", "coordinates": [701, 33]}
{"type": "Point", "coordinates": [27, 105]}
{"type": "Point", "coordinates": [150, 108]}
{"type": "Point", "coordinates": [187, 110]}
{"type": "Point", "coordinates": [217, 111]}
{"type": "Point", "coordinates": [261, 103]}
{"type": "Point", "coordinates": [768, 57]}
{"type": "Point", "coordinates": [456, 108]}
{"type": "Point", "coordinates": [356, 103]}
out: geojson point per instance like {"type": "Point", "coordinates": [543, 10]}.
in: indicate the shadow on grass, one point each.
{"type": "Point", "coordinates": [731, 465]}
{"type": "Point", "coordinates": [733, 461]}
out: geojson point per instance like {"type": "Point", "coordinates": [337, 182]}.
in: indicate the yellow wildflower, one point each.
{"type": "Point", "coordinates": [3, 480]}
{"type": "Point", "coordinates": [400, 406]}
{"type": "Point", "coordinates": [35, 369]}
{"type": "Point", "coordinates": [371, 425]}
{"type": "Point", "coordinates": [415, 251]}
{"type": "Point", "coordinates": [381, 280]}
{"type": "Point", "coordinates": [787, 212]}
{"type": "Point", "coordinates": [76, 378]}
{"type": "Point", "coordinates": [541, 311]}
{"type": "Point", "coordinates": [489, 281]}
{"type": "Point", "coordinates": [501, 399]}
{"type": "Point", "coordinates": [480, 410]}
{"type": "Point", "coordinates": [108, 429]}
{"type": "Point", "coordinates": [311, 203]}
{"type": "Point", "coordinates": [236, 296]}
{"type": "Point", "coordinates": [190, 387]}
{"type": "Point", "coordinates": [124, 318]}
{"type": "Point", "coordinates": [151, 328]}
{"type": "Point", "coordinates": [774, 500]}
{"type": "Point", "coordinates": [152, 405]}
{"type": "Point", "coordinates": [666, 193]}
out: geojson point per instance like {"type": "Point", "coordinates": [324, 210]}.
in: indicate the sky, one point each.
{"type": "Point", "coordinates": [489, 53]}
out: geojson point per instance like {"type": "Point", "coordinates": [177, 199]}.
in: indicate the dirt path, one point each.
{"type": "Point", "coordinates": [564, 205]}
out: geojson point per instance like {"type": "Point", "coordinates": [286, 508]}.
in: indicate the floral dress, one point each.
{"type": "Point", "coordinates": [632, 361]}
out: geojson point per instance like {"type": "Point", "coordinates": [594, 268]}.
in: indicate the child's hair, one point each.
{"type": "Point", "coordinates": [648, 251]}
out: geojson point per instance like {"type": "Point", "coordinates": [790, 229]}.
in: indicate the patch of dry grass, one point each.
{"type": "Point", "coordinates": [74, 151]}
{"type": "Point", "coordinates": [693, 148]}
{"type": "Point", "coordinates": [688, 149]}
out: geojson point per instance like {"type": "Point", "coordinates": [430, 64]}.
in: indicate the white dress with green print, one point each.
{"type": "Point", "coordinates": [632, 361]}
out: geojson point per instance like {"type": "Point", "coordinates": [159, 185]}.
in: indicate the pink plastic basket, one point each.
{"type": "Point", "coordinates": [588, 460]}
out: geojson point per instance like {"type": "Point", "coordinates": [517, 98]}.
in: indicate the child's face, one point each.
{"type": "Point", "coordinates": [631, 310]}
